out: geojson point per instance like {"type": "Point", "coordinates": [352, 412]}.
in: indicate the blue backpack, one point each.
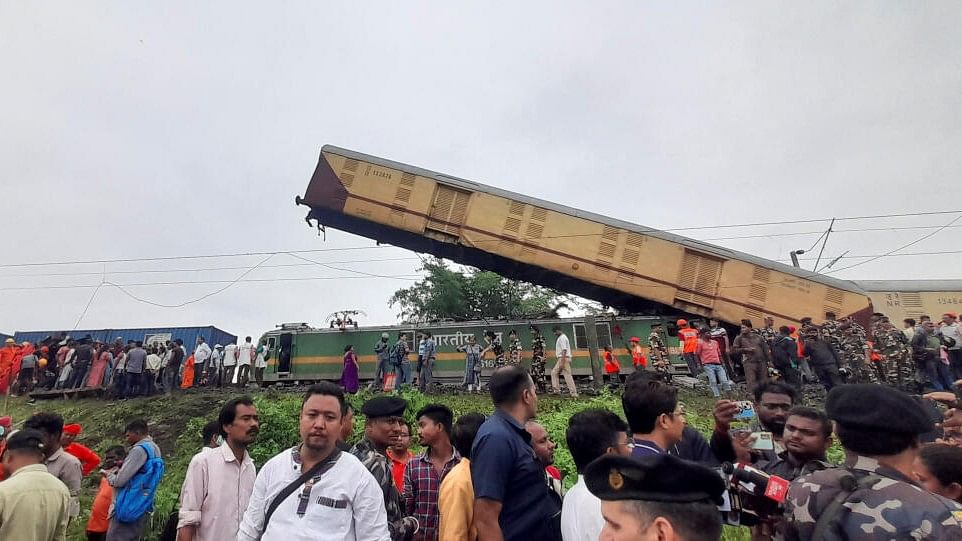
{"type": "Point", "coordinates": [136, 498]}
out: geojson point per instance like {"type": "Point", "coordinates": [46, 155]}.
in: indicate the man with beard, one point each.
{"type": "Point", "coordinates": [384, 416]}
{"type": "Point", "coordinates": [544, 450]}
{"type": "Point", "coordinates": [773, 400]}
{"type": "Point", "coordinates": [807, 437]}
{"type": "Point", "coordinates": [336, 500]}
{"type": "Point", "coordinates": [219, 482]}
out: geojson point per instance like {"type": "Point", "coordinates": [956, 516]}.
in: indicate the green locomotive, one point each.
{"type": "Point", "coordinates": [300, 353]}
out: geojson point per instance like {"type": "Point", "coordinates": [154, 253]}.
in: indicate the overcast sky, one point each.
{"type": "Point", "coordinates": [187, 128]}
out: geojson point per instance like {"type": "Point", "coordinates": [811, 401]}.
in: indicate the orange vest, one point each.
{"type": "Point", "coordinates": [689, 338]}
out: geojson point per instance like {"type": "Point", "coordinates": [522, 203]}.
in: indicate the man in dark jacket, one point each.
{"type": "Point", "coordinates": [823, 359]}
{"type": "Point", "coordinates": [785, 357]}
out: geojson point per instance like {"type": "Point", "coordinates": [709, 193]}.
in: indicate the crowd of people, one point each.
{"type": "Point", "coordinates": [127, 370]}
{"type": "Point", "coordinates": [490, 475]}
{"type": "Point", "coordinates": [919, 357]}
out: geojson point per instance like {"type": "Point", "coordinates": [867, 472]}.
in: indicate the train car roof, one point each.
{"type": "Point", "coordinates": [718, 251]}
{"type": "Point", "coordinates": [909, 286]}
{"type": "Point", "coordinates": [521, 324]}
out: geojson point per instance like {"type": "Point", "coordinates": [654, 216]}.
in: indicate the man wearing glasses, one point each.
{"type": "Point", "coordinates": [655, 417]}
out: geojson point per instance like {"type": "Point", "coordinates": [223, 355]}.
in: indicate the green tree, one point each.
{"type": "Point", "coordinates": [448, 293]}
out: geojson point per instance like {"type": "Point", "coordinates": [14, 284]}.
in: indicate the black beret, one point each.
{"type": "Point", "coordinates": [869, 406]}
{"type": "Point", "coordinates": [384, 406]}
{"type": "Point", "coordinates": [657, 478]}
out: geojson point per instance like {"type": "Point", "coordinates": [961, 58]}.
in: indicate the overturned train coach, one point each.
{"type": "Point", "coordinates": [620, 264]}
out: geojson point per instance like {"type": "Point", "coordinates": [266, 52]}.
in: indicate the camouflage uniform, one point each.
{"type": "Point", "coordinates": [514, 352]}
{"type": "Point", "coordinates": [853, 358]}
{"type": "Point", "coordinates": [832, 333]}
{"type": "Point", "coordinates": [498, 351]}
{"type": "Point", "coordinates": [658, 355]}
{"type": "Point", "coordinates": [898, 366]}
{"type": "Point", "coordinates": [769, 334]}
{"type": "Point", "coordinates": [537, 363]}
{"type": "Point", "coordinates": [893, 507]}
{"type": "Point", "coordinates": [401, 527]}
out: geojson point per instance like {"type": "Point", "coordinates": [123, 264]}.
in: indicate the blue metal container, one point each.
{"type": "Point", "coordinates": [212, 335]}
{"type": "Point", "coordinates": [3, 337]}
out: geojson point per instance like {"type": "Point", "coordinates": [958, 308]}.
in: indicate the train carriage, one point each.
{"type": "Point", "coordinates": [621, 264]}
{"type": "Point", "coordinates": [300, 353]}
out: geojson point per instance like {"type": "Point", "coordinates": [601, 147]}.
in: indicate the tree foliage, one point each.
{"type": "Point", "coordinates": [448, 293]}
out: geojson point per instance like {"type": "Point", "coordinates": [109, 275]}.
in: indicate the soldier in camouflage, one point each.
{"type": "Point", "coordinates": [769, 332]}
{"type": "Point", "coordinates": [382, 428]}
{"type": "Point", "coordinates": [897, 364]}
{"type": "Point", "coordinates": [494, 346]}
{"type": "Point", "coordinates": [658, 352]}
{"type": "Point", "coordinates": [538, 360]}
{"type": "Point", "coordinates": [874, 495]}
{"type": "Point", "coordinates": [514, 349]}
{"type": "Point", "coordinates": [854, 352]}
{"type": "Point", "coordinates": [832, 332]}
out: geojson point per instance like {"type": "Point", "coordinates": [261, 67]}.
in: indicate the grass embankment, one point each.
{"type": "Point", "coordinates": [175, 423]}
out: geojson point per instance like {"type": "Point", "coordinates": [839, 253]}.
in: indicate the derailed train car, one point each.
{"type": "Point", "coordinates": [621, 264]}
{"type": "Point", "coordinates": [301, 353]}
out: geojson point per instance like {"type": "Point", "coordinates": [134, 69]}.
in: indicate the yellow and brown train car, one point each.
{"type": "Point", "coordinates": [900, 299]}
{"type": "Point", "coordinates": [614, 262]}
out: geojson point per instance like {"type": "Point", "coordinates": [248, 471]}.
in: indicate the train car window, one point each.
{"type": "Point", "coordinates": [271, 342]}
{"type": "Point", "coordinates": [581, 337]}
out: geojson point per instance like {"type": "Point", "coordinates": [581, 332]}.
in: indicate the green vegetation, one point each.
{"type": "Point", "coordinates": [448, 294]}
{"type": "Point", "coordinates": [175, 423]}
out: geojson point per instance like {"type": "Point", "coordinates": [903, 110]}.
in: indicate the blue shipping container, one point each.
{"type": "Point", "coordinates": [3, 337]}
{"type": "Point", "coordinates": [212, 335]}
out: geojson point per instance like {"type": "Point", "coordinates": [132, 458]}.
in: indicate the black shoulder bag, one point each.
{"type": "Point", "coordinates": [317, 470]}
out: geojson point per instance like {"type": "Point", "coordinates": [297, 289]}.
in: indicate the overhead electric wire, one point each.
{"type": "Point", "coordinates": [720, 226]}
{"type": "Point", "coordinates": [339, 268]}
{"type": "Point", "coordinates": [198, 299]}
{"type": "Point", "coordinates": [892, 252]}
{"type": "Point", "coordinates": [816, 220]}
{"type": "Point", "coordinates": [200, 256]}
{"type": "Point", "coordinates": [192, 282]}
{"type": "Point", "coordinates": [202, 269]}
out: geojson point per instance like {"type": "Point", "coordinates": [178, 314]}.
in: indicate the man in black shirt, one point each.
{"type": "Point", "coordinates": [81, 364]}
{"type": "Point", "coordinates": [823, 359]}
{"type": "Point", "coordinates": [785, 357]}
{"type": "Point", "coordinates": [172, 372]}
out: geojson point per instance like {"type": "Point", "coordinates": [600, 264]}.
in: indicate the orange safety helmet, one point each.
{"type": "Point", "coordinates": [682, 322]}
{"type": "Point", "coordinates": [635, 339]}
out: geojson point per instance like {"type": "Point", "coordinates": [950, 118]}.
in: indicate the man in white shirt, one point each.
{"type": "Point", "coordinates": [591, 434]}
{"type": "Point", "coordinates": [341, 501]}
{"type": "Point", "coordinates": [151, 370]}
{"type": "Point", "coordinates": [201, 356]}
{"type": "Point", "coordinates": [245, 354]}
{"type": "Point", "coordinates": [562, 351]}
{"type": "Point", "coordinates": [215, 368]}
{"type": "Point", "coordinates": [219, 482]}
{"type": "Point", "coordinates": [260, 362]}
{"type": "Point", "coordinates": [230, 363]}
{"type": "Point", "coordinates": [950, 330]}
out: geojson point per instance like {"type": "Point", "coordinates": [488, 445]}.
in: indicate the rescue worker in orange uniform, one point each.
{"type": "Point", "coordinates": [8, 354]}
{"type": "Point", "coordinates": [689, 341]}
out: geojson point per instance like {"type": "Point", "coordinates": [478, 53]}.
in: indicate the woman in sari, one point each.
{"type": "Point", "coordinates": [102, 358]}
{"type": "Point", "coordinates": [188, 379]}
{"type": "Point", "coordinates": [349, 375]}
